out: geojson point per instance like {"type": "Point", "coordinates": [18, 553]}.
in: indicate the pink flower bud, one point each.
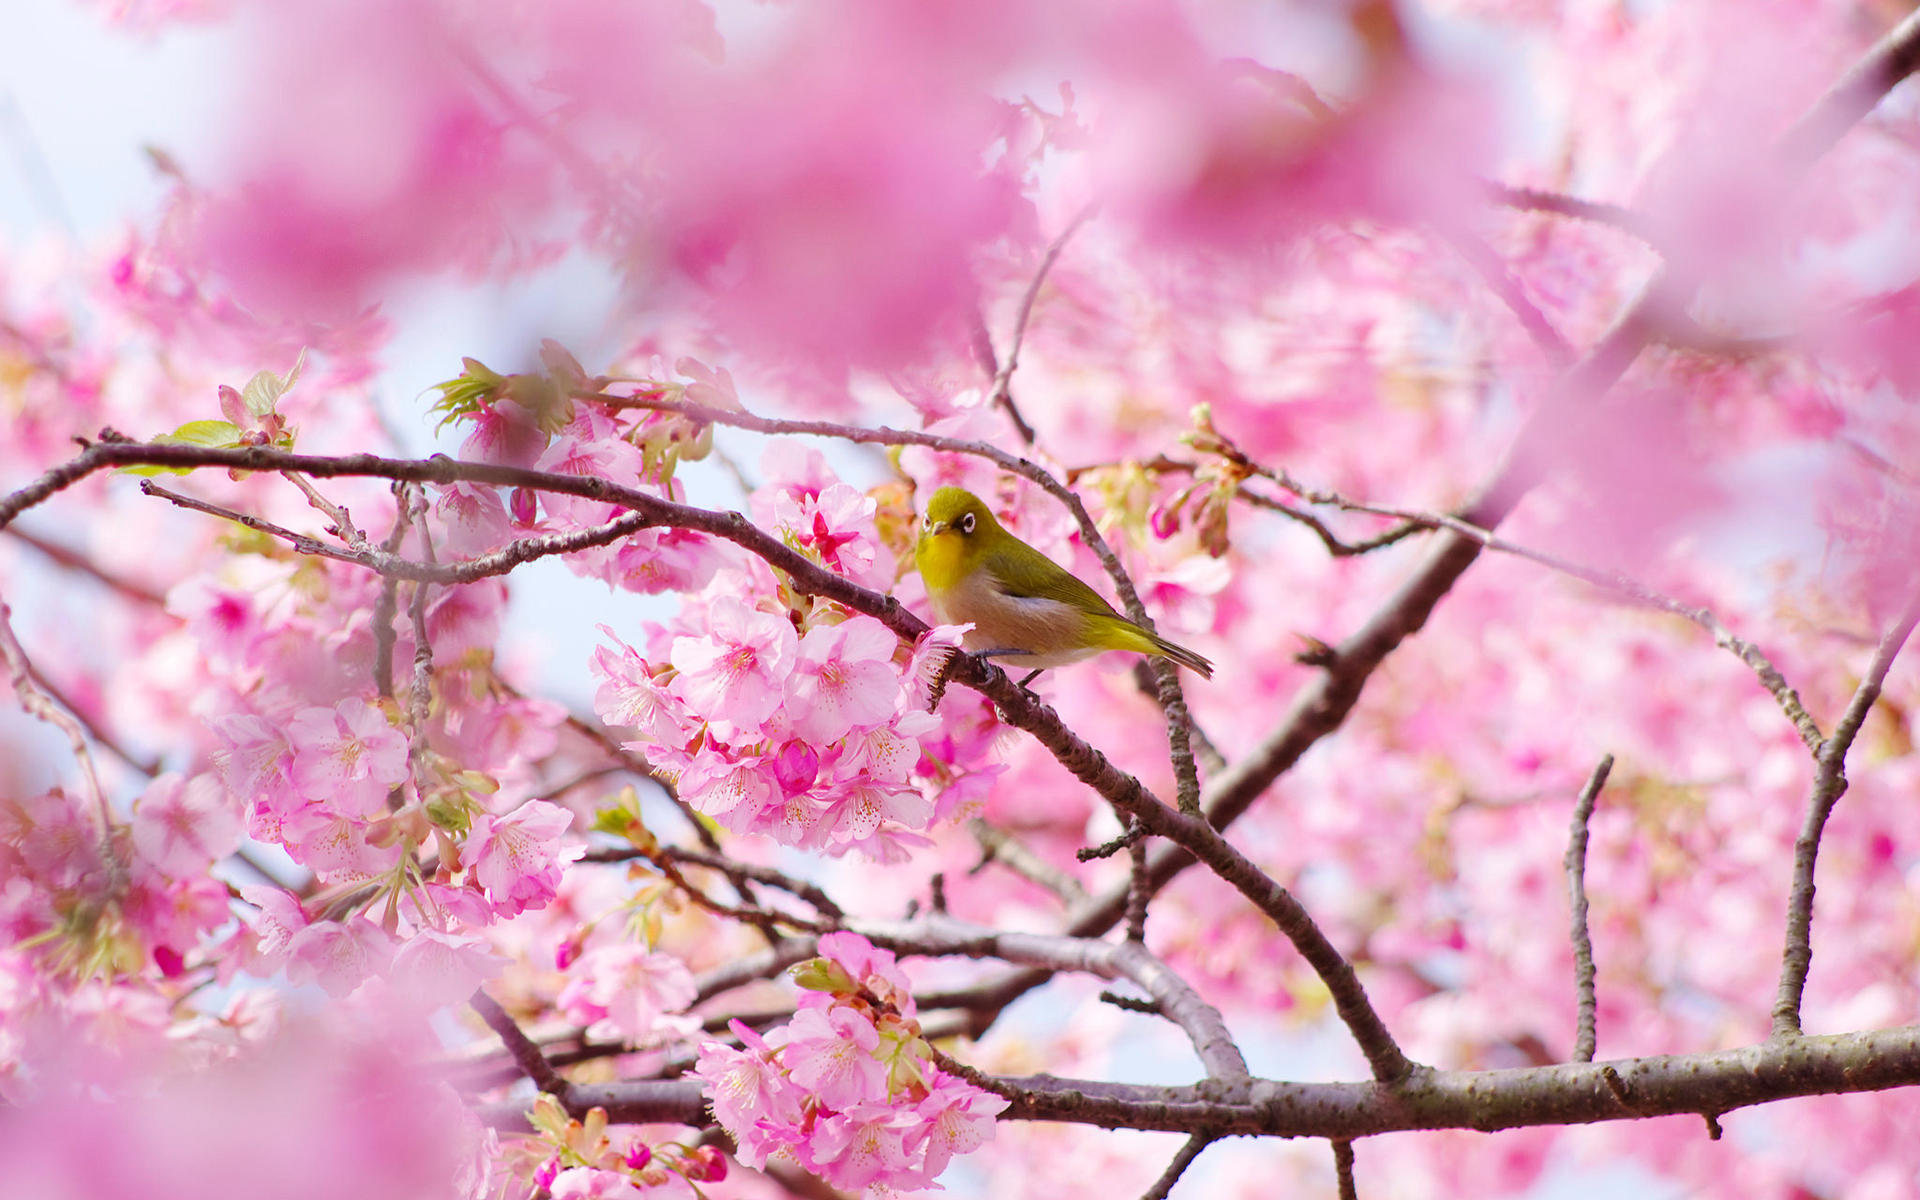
{"type": "Point", "coordinates": [796, 766]}
{"type": "Point", "coordinates": [638, 1157]}
{"type": "Point", "coordinates": [545, 1175]}
{"type": "Point", "coordinates": [524, 506]}
{"type": "Point", "coordinates": [1164, 520]}
{"type": "Point", "coordinates": [706, 1165]}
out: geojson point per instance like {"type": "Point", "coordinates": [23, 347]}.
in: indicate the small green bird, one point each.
{"type": "Point", "coordinates": [1023, 605]}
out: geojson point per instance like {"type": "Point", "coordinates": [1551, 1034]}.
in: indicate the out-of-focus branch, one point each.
{"type": "Point", "coordinates": [1003, 373]}
{"type": "Point", "coordinates": [1481, 258]}
{"type": "Point", "coordinates": [997, 845]}
{"type": "Point", "coordinates": [38, 705]}
{"type": "Point", "coordinates": [73, 560]}
{"type": "Point", "coordinates": [1561, 205]}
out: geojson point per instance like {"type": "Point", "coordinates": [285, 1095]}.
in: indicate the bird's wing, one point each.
{"type": "Point", "coordinates": [1056, 584]}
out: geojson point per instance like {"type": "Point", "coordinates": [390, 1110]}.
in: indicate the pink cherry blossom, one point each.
{"type": "Point", "coordinates": [518, 858]}
{"type": "Point", "coordinates": [432, 968]}
{"type": "Point", "coordinates": [629, 992]}
{"type": "Point", "coordinates": [959, 1119]}
{"type": "Point", "coordinates": [738, 670]}
{"type": "Point", "coordinates": [182, 825]}
{"type": "Point", "coordinates": [844, 678]}
{"type": "Point", "coordinates": [831, 1055]}
{"type": "Point", "coordinates": [347, 757]}
{"type": "Point", "coordinates": [338, 955]}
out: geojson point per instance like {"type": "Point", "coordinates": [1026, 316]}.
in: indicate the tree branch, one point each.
{"type": "Point", "coordinates": [1163, 1186]}
{"type": "Point", "coordinates": [1576, 864]}
{"type": "Point", "coordinates": [1829, 784]}
{"type": "Point", "coordinates": [532, 1063]}
{"type": "Point", "coordinates": [1715, 1082]}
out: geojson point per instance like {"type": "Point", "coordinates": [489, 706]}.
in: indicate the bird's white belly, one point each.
{"type": "Point", "coordinates": [1012, 627]}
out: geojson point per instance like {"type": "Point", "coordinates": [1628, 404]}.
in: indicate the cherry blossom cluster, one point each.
{"type": "Point", "coordinates": [848, 1087]}
{"type": "Point", "coordinates": [579, 1160]}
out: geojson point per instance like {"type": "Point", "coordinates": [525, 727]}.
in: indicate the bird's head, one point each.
{"type": "Point", "coordinates": [958, 528]}
{"type": "Point", "coordinates": [956, 512]}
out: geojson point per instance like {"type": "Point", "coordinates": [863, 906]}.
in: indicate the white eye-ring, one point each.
{"type": "Point", "coordinates": [966, 522]}
{"type": "Point", "coordinates": [926, 522]}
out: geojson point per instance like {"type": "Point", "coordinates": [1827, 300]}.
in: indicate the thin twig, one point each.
{"type": "Point", "coordinates": [1163, 1186]}
{"type": "Point", "coordinates": [1600, 213]}
{"type": "Point", "coordinates": [997, 845]}
{"type": "Point", "coordinates": [735, 871]}
{"type": "Point", "coordinates": [343, 526]}
{"type": "Point", "coordinates": [1770, 677]}
{"type": "Point", "coordinates": [386, 604]}
{"type": "Point", "coordinates": [1343, 1168]}
{"type": "Point", "coordinates": [1139, 891]}
{"type": "Point", "coordinates": [1003, 377]}
{"type": "Point", "coordinates": [497, 562]}
{"type": "Point", "coordinates": [1829, 784]}
{"type": "Point", "coordinates": [1335, 547]}
{"type": "Point", "coordinates": [1576, 865]}
{"type": "Point", "coordinates": [37, 704]}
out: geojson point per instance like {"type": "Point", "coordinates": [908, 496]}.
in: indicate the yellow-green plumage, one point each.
{"type": "Point", "coordinates": [1024, 606]}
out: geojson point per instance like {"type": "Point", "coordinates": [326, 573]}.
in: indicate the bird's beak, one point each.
{"type": "Point", "coordinates": [937, 528]}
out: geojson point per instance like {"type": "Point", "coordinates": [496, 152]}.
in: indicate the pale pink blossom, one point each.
{"type": "Point", "coordinates": [347, 757]}
{"type": "Point", "coordinates": [182, 825]}
{"type": "Point", "coordinates": [474, 517]}
{"type": "Point", "coordinates": [857, 808]}
{"type": "Point", "coordinates": [749, 1090]}
{"type": "Point", "coordinates": [865, 1144]}
{"type": "Point", "coordinates": [432, 968]}
{"type": "Point", "coordinates": [831, 1054]}
{"type": "Point", "coordinates": [844, 679]}
{"type": "Point", "coordinates": [736, 674]}
{"type": "Point", "coordinates": [518, 858]}
{"type": "Point", "coordinates": [959, 1119]}
{"type": "Point", "coordinates": [338, 955]}
{"type": "Point", "coordinates": [630, 695]}
{"type": "Point", "coordinates": [629, 992]}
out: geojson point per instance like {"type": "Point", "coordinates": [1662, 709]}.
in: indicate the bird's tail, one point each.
{"type": "Point", "coordinates": [1185, 657]}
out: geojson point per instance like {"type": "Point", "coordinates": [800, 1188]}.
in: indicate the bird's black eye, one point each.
{"type": "Point", "coordinates": [966, 523]}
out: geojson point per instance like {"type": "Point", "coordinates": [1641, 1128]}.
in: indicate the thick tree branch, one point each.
{"type": "Point", "coordinates": [1717, 1082]}
{"type": "Point", "coordinates": [532, 1063]}
{"type": "Point", "coordinates": [1018, 707]}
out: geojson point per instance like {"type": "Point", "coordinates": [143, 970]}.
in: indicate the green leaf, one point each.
{"type": "Point", "coordinates": [264, 390]}
{"type": "Point", "coordinates": [213, 434]}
